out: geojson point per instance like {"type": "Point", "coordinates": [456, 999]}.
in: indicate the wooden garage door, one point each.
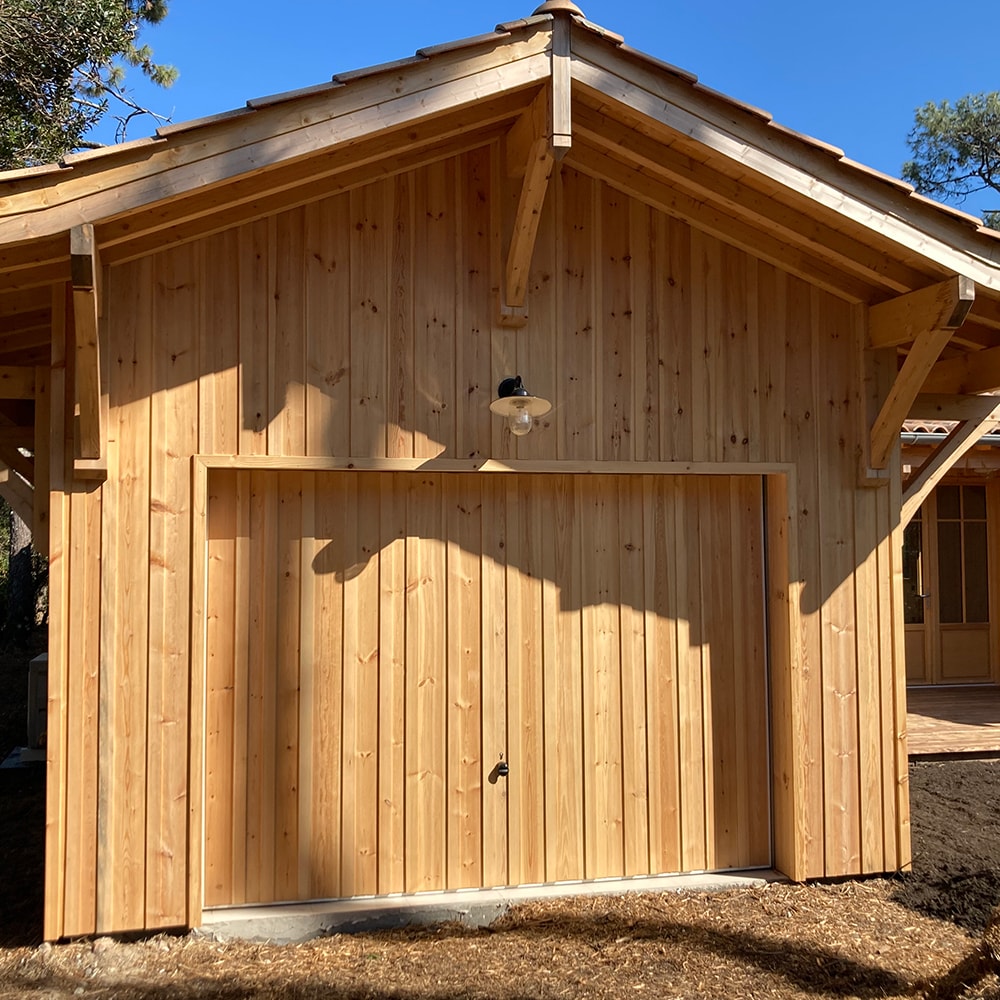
{"type": "Point", "coordinates": [379, 642]}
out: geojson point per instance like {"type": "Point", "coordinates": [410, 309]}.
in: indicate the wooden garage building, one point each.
{"type": "Point", "coordinates": [309, 597]}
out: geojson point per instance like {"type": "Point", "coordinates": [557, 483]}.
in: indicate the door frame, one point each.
{"type": "Point", "coordinates": [783, 751]}
{"type": "Point", "coordinates": [932, 631]}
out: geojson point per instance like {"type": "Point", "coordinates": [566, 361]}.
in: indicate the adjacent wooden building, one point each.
{"type": "Point", "coordinates": [310, 599]}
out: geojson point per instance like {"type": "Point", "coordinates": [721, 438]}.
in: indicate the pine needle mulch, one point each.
{"type": "Point", "coordinates": [781, 941]}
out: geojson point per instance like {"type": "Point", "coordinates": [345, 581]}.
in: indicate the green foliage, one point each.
{"type": "Point", "coordinates": [24, 575]}
{"type": "Point", "coordinates": [62, 63]}
{"type": "Point", "coordinates": [956, 150]}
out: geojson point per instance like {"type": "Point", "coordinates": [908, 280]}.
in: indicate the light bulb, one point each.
{"type": "Point", "coordinates": [520, 422]}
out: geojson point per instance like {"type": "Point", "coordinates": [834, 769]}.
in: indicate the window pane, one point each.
{"type": "Point", "coordinates": [948, 503]}
{"type": "Point", "coordinates": [913, 584]}
{"type": "Point", "coordinates": [950, 570]}
{"type": "Point", "coordinates": [974, 502]}
{"type": "Point", "coordinates": [977, 596]}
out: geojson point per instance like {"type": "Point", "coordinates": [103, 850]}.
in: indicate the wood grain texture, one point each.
{"type": "Point", "coordinates": [361, 329]}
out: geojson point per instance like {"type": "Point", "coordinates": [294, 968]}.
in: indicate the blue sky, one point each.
{"type": "Point", "coordinates": [849, 73]}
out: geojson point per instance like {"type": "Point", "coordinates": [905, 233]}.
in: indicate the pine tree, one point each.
{"type": "Point", "coordinates": [956, 151]}
{"type": "Point", "coordinates": [62, 67]}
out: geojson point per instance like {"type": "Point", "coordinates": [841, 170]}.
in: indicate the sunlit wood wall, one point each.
{"type": "Point", "coordinates": [363, 326]}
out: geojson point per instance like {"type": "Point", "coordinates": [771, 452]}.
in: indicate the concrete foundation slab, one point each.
{"type": "Point", "coordinates": [287, 923]}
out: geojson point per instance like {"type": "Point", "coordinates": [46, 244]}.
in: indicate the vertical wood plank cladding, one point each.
{"type": "Point", "coordinates": [219, 345]}
{"type": "Point", "coordinates": [399, 402]}
{"type": "Point", "coordinates": [434, 677]}
{"type": "Point", "coordinates": [221, 745]}
{"type": "Point", "coordinates": [661, 620]}
{"type": "Point", "coordinates": [536, 348]}
{"type": "Point", "coordinates": [392, 685]}
{"type": "Point", "coordinates": [382, 341]}
{"type": "Point", "coordinates": [526, 807]}
{"type": "Point", "coordinates": [58, 895]}
{"type": "Point", "coordinates": [774, 332]}
{"type": "Point", "coordinates": [646, 378]}
{"type": "Point", "coordinates": [287, 614]}
{"type": "Point", "coordinates": [463, 521]}
{"type": "Point", "coordinates": [287, 386]}
{"type": "Point", "coordinates": [895, 562]}
{"type": "Point", "coordinates": [306, 694]}
{"type": "Point", "coordinates": [434, 275]}
{"type": "Point", "coordinates": [716, 560]}
{"type": "Point", "coordinates": [473, 357]}
{"type": "Point", "coordinates": [255, 279]}
{"type": "Point", "coordinates": [749, 538]}
{"type": "Point", "coordinates": [802, 442]}
{"type": "Point", "coordinates": [82, 692]}
{"type": "Point", "coordinates": [263, 598]}
{"type": "Point", "coordinates": [673, 293]}
{"type": "Point", "coordinates": [562, 545]}
{"type": "Point", "coordinates": [735, 397]}
{"type": "Point", "coordinates": [370, 242]}
{"type": "Point", "coordinates": [601, 682]}
{"type": "Point", "coordinates": [866, 611]}
{"type": "Point", "coordinates": [327, 317]}
{"type": "Point", "coordinates": [782, 611]}
{"type": "Point", "coordinates": [630, 554]}
{"type": "Point", "coordinates": [494, 682]}
{"type": "Point", "coordinates": [121, 864]}
{"type": "Point", "coordinates": [576, 367]}
{"type": "Point", "coordinates": [328, 680]}
{"type": "Point", "coordinates": [361, 672]}
{"type": "Point", "coordinates": [425, 687]}
{"type": "Point", "coordinates": [690, 683]}
{"type": "Point", "coordinates": [173, 437]}
{"type": "Point", "coordinates": [615, 371]}
{"type": "Point", "coordinates": [241, 693]}
{"type": "Point", "coordinates": [833, 328]}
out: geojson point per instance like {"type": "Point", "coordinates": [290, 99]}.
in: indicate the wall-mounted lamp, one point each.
{"type": "Point", "coordinates": [519, 407]}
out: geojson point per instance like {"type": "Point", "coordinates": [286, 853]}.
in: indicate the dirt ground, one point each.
{"type": "Point", "coordinates": [867, 939]}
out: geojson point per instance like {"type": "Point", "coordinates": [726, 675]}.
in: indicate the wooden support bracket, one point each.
{"type": "Point", "coordinates": [542, 135]}
{"type": "Point", "coordinates": [944, 457]}
{"type": "Point", "coordinates": [85, 270]}
{"type": "Point", "coordinates": [977, 371]}
{"type": "Point", "coordinates": [17, 382]}
{"type": "Point", "coordinates": [17, 493]}
{"type": "Point", "coordinates": [943, 309]}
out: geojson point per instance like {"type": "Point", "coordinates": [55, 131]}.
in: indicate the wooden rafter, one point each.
{"type": "Point", "coordinates": [85, 268]}
{"type": "Point", "coordinates": [974, 372]}
{"type": "Point", "coordinates": [943, 306]}
{"type": "Point", "coordinates": [17, 382]}
{"type": "Point", "coordinates": [23, 465]}
{"type": "Point", "coordinates": [716, 221]}
{"type": "Point", "coordinates": [17, 493]}
{"type": "Point", "coordinates": [274, 138]}
{"type": "Point", "coordinates": [928, 317]}
{"type": "Point", "coordinates": [944, 457]}
{"type": "Point", "coordinates": [624, 140]}
{"type": "Point", "coordinates": [930, 406]}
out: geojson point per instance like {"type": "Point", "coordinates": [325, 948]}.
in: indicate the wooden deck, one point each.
{"type": "Point", "coordinates": [953, 720]}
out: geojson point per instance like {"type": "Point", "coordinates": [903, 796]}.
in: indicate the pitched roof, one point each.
{"type": "Point", "coordinates": [637, 122]}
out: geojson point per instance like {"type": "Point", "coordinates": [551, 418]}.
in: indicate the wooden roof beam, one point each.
{"type": "Point", "coordinates": [23, 465]}
{"type": "Point", "coordinates": [974, 372]}
{"type": "Point", "coordinates": [17, 382]}
{"type": "Point", "coordinates": [941, 306]}
{"type": "Point", "coordinates": [85, 268]}
{"type": "Point", "coordinates": [17, 493]}
{"type": "Point", "coordinates": [927, 317]}
{"type": "Point", "coordinates": [944, 457]}
{"type": "Point", "coordinates": [931, 406]}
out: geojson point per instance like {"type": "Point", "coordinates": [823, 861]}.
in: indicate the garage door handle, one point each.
{"type": "Point", "coordinates": [503, 769]}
